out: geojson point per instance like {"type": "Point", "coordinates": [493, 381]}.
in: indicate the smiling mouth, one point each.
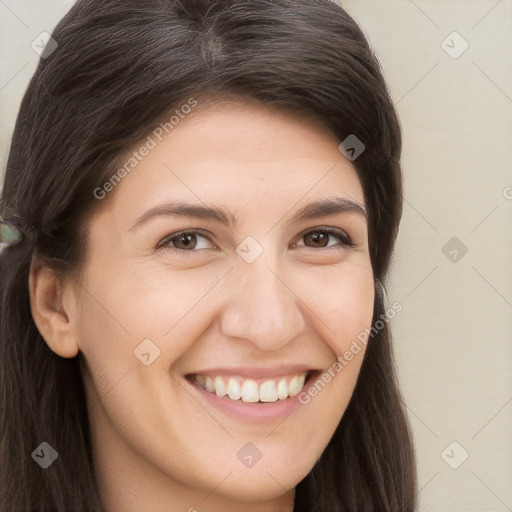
{"type": "Point", "coordinates": [240, 389]}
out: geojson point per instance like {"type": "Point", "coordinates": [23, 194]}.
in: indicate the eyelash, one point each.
{"type": "Point", "coordinates": [346, 241]}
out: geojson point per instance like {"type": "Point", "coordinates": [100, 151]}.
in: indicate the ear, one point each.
{"type": "Point", "coordinates": [53, 306]}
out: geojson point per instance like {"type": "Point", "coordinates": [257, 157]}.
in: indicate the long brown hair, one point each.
{"type": "Point", "coordinates": [118, 67]}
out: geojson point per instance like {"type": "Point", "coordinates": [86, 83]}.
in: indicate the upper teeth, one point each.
{"type": "Point", "coordinates": [249, 390]}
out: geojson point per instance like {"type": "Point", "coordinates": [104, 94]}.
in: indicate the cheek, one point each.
{"type": "Point", "coordinates": [123, 305]}
{"type": "Point", "coordinates": [355, 310]}
{"type": "Point", "coordinates": [345, 308]}
{"type": "Point", "coordinates": [355, 321]}
{"type": "Point", "coordinates": [343, 300]}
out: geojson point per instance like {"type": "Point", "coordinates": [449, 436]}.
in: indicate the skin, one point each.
{"type": "Point", "coordinates": [155, 447]}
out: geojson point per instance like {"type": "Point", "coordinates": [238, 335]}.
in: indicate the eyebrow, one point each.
{"type": "Point", "coordinates": [314, 210]}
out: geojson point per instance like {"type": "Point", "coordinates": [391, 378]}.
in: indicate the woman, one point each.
{"type": "Point", "coordinates": [180, 331]}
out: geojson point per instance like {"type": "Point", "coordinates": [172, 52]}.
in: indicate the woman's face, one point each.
{"type": "Point", "coordinates": [248, 297]}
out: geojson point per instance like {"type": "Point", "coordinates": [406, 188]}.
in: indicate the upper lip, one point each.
{"type": "Point", "coordinates": [256, 372]}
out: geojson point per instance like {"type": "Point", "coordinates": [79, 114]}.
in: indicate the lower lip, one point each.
{"type": "Point", "coordinates": [253, 412]}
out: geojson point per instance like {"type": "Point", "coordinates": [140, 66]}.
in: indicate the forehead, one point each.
{"type": "Point", "coordinates": [253, 132]}
{"type": "Point", "coordinates": [237, 153]}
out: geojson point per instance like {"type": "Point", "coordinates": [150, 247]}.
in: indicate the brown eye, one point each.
{"type": "Point", "coordinates": [319, 238]}
{"type": "Point", "coordinates": [185, 241]}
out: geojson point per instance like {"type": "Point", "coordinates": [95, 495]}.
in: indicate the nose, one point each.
{"type": "Point", "coordinates": [262, 307]}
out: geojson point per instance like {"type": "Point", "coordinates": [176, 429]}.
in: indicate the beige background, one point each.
{"type": "Point", "coordinates": [453, 336]}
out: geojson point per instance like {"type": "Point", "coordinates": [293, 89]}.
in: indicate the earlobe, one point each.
{"type": "Point", "coordinates": [52, 304]}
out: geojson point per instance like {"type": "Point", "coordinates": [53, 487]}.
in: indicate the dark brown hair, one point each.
{"type": "Point", "coordinates": [120, 65]}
